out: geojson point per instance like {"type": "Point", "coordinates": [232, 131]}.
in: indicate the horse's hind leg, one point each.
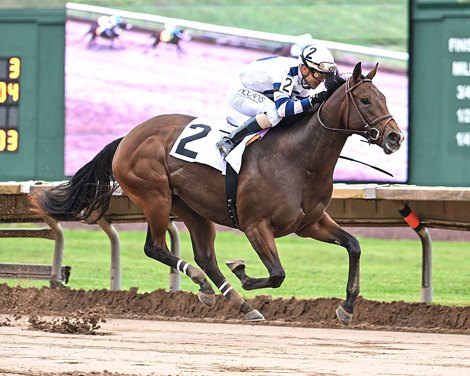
{"type": "Point", "coordinates": [154, 198]}
{"type": "Point", "coordinates": [329, 231]}
{"type": "Point", "coordinates": [159, 251]}
{"type": "Point", "coordinates": [91, 42]}
{"type": "Point", "coordinates": [202, 233]}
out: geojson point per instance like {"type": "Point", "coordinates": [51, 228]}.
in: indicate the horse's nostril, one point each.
{"type": "Point", "coordinates": [394, 137]}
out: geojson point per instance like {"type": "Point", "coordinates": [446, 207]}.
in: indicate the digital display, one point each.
{"type": "Point", "coordinates": [10, 74]}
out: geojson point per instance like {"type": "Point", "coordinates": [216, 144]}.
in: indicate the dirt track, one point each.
{"type": "Point", "coordinates": [173, 348]}
{"type": "Point", "coordinates": [44, 332]}
{"type": "Point", "coordinates": [184, 305]}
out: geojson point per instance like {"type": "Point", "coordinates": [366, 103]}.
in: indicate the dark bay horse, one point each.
{"type": "Point", "coordinates": [285, 187]}
{"type": "Point", "coordinates": [111, 31]}
{"type": "Point", "coordinates": [171, 36]}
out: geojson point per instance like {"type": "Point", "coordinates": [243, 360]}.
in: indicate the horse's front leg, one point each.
{"type": "Point", "coordinates": [202, 233]}
{"type": "Point", "coordinates": [262, 239]}
{"type": "Point", "coordinates": [327, 230]}
{"type": "Point", "coordinates": [179, 49]}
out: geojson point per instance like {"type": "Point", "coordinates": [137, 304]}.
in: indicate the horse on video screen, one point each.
{"type": "Point", "coordinates": [284, 187]}
{"type": "Point", "coordinates": [171, 35]}
{"type": "Point", "coordinates": [109, 28]}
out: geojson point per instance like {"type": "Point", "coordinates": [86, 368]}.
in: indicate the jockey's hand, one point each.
{"type": "Point", "coordinates": [319, 97]}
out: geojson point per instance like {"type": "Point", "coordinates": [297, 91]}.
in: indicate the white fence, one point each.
{"type": "Point", "coordinates": [351, 205]}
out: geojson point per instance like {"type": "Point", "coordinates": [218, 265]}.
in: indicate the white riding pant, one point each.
{"type": "Point", "coordinates": [251, 103]}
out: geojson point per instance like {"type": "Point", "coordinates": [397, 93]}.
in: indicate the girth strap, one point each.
{"type": "Point", "coordinates": [231, 184]}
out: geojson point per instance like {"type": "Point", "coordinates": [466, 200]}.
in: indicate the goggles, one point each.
{"type": "Point", "coordinates": [319, 70]}
{"type": "Point", "coordinates": [324, 67]}
{"type": "Point", "coordinates": [318, 75]}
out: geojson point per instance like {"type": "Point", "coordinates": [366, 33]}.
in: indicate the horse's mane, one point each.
{"type": "Point", "coordinates": [332, 83]}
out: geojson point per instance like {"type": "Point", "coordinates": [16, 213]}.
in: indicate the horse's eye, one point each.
{"type": "Point", "coordinates": [365, 101]}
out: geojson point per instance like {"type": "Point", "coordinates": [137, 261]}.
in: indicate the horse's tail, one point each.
{"type": "Point", "coordinates": [90, 31]}
{"type": "Point", "coordinates": [88, 191]}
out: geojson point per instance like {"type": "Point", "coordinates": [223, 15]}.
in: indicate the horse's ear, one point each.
{"type": "Point", "coordinates": [357, 72]}
{"type": "Point", "coordinates": [372, 73]}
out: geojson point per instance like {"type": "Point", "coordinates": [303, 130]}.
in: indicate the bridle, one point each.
{"type": "Point", "coordinates": [370, 132]}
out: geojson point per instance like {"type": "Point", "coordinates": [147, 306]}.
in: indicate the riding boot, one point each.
{"type": "Point", "coordinates": [228, 143]}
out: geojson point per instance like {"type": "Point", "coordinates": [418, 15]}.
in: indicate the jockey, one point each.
{"type": "Point", "coordinates": [115, 21]}
{"type": "Point", "coordinates": [274, 88]}
{"type": "Point", "coordinates": [110, 25]}
{"type": "Point", "coordinates": [169, 32]}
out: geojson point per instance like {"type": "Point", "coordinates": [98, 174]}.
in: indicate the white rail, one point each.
{"type": "Point", "coordinates": [237, 32]}
{"type": "Point", "coordinates": [351, 205]}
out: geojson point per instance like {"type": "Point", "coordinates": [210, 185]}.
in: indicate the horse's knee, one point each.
{"type": "Point", "coordinates": [150, 252]}
{"type": "Point", "coordinates": [203, 261]}
{"type": "Point", "coordinates": [154, 252]}
{"type": "Point", "coordinates": [353, 247]}
{"type": "Point", "coordinates": [276, 280]}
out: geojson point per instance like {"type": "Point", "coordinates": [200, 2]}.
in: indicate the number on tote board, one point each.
{"type": "Point", "coordinates": [8, 140]}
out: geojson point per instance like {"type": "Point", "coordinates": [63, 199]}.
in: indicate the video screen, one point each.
{"type": "Point", "coordinates": [114, 85]}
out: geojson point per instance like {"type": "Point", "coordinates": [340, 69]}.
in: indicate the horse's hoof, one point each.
{"type": "Point", "coordinates": [254, 315]}
{"type": "Point", "coordinates": [234, 264]}
{"type": "Point", "coordinates": [206, 299]}
{"type": "Point", "coordinates": [343, 316]}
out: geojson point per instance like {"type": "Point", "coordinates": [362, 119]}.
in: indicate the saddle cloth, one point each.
{"type": "Point", "coordinates": [197, 143]}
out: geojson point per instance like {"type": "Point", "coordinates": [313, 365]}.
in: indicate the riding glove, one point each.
{"type": "Point", "coordinates": [319, 97]}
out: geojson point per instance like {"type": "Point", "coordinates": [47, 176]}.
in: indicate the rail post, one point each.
{"type": "Point", "coordinates": [115, 272]}
{"type": "Point", "coordinates": [426, 243]}
{"type": "Point", "coordinates": [175, 249]}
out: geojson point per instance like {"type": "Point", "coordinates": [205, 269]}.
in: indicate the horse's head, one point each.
{"type": "Point", "coordinates": [125, 25]}
{"type": "Point", "coordinates": [119, 27]}
{"type": "Point", "coordinates": [366, 112]}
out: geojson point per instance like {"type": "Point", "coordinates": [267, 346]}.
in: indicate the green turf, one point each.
{"type": "Point", "coordinates": [382, 23]}
{"type": "Point", "coordinates": [390, 269]}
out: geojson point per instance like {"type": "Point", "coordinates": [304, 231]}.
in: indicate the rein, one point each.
{"type": "Point", "coordinates": [370, 132]}
{"type": "Point", "coordinates": [366, 164]}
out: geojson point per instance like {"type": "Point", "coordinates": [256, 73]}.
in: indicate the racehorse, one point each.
{"type": "Point", "coordinates": [170, 36]}
{"type": "Point", "coordinates": [285, 186]}
{"type": "Point", "coordinates": [110, 31]}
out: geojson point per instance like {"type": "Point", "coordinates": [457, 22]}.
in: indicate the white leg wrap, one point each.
{"type": "Point", "coordinates": [225, 288]}
{"type": "Point", "coordinates": [182, 266]}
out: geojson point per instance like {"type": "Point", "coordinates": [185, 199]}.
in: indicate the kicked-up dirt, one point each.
{"type": "Point", "coordinates": [317, 313]}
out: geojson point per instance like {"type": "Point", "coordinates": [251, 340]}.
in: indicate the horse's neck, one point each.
{"type": "Point", "coordinates": [321, 147]}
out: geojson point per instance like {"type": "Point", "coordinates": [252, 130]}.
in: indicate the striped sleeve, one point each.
{"type": "Point", "coordinates": [287, 107]}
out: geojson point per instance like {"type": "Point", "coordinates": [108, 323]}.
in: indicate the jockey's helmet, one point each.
{"type": "Point", "coordinates": [318, 58]}
{"type": "Point", "coordinates": [115, 20]}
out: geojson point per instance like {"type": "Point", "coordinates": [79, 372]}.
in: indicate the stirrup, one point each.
{"type": "Point", "coordinates": [225, 146]}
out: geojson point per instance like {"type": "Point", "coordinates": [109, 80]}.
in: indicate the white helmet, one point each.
{"type": "Point", "coordinates": [318, 58]}
{"type": "Point", "coordinates": [115, 20]}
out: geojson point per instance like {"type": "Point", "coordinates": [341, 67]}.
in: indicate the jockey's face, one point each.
{"type": "Point", "coordinates": [312, 78]}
